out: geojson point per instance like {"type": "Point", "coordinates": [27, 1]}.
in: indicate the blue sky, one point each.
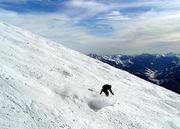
{"type": "Point", "coordinates": [100, 26]}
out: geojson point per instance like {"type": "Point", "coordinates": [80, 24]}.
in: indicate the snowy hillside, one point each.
{"type": "Point", "coordinates": [44, 85]}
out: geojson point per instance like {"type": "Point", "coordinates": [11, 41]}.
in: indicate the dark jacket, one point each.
{"type": "Point", "coordinates": [105, 89]}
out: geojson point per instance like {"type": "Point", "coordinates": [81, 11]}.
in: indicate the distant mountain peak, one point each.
{"type": "Point", "coordinates": [161, 69]}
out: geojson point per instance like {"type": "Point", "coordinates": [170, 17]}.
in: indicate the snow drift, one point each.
{"type": "Point", "coordinates": [44, 85]}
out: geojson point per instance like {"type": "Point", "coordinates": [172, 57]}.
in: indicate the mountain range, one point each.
{"type": "Point", "coordinates": [161, 69]}
{"type": "Point", "coordinates": [44, 85]}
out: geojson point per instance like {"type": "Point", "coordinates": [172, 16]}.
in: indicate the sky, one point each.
{"type": "Point", "coordinates": [100, 26]}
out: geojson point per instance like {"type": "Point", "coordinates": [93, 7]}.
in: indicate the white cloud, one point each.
{"type": "Point", "coordinates": [153, 31]}
{"type": "Point", "coordinates": [87, 8]}
{"type": "Point", "coordinates": [114, 15]}
{"type": "Point", "coordinates": [90, 5]}
{"type": "Point", "coordinates": [156, 30]}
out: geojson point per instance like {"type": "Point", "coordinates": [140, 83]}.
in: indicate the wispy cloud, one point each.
{"type": "Point", "coordinates": [113, 15]}
{"type": "Point", "coordinates": [92, 6]}
{"type": "Point", "coordinates": [103, 27]}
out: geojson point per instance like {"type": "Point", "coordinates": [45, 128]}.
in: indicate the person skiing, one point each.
{"type": "Point", "coordinates": [105, 89]}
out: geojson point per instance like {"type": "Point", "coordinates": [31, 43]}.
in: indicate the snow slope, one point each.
{"type": "Point", "coordinates": [44, 85]}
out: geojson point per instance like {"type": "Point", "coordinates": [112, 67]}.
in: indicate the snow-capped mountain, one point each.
{"type": "Point", "coordinates": [163, 70]}
{"type": "Point", "coordinates": [44, 85]}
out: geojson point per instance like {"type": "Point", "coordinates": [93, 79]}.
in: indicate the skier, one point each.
{"type": "Point", "coordinates": [105, 89]}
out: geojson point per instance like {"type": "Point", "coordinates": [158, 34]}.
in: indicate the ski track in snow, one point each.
{"type": "Point", "coordinates": [44, 85]}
